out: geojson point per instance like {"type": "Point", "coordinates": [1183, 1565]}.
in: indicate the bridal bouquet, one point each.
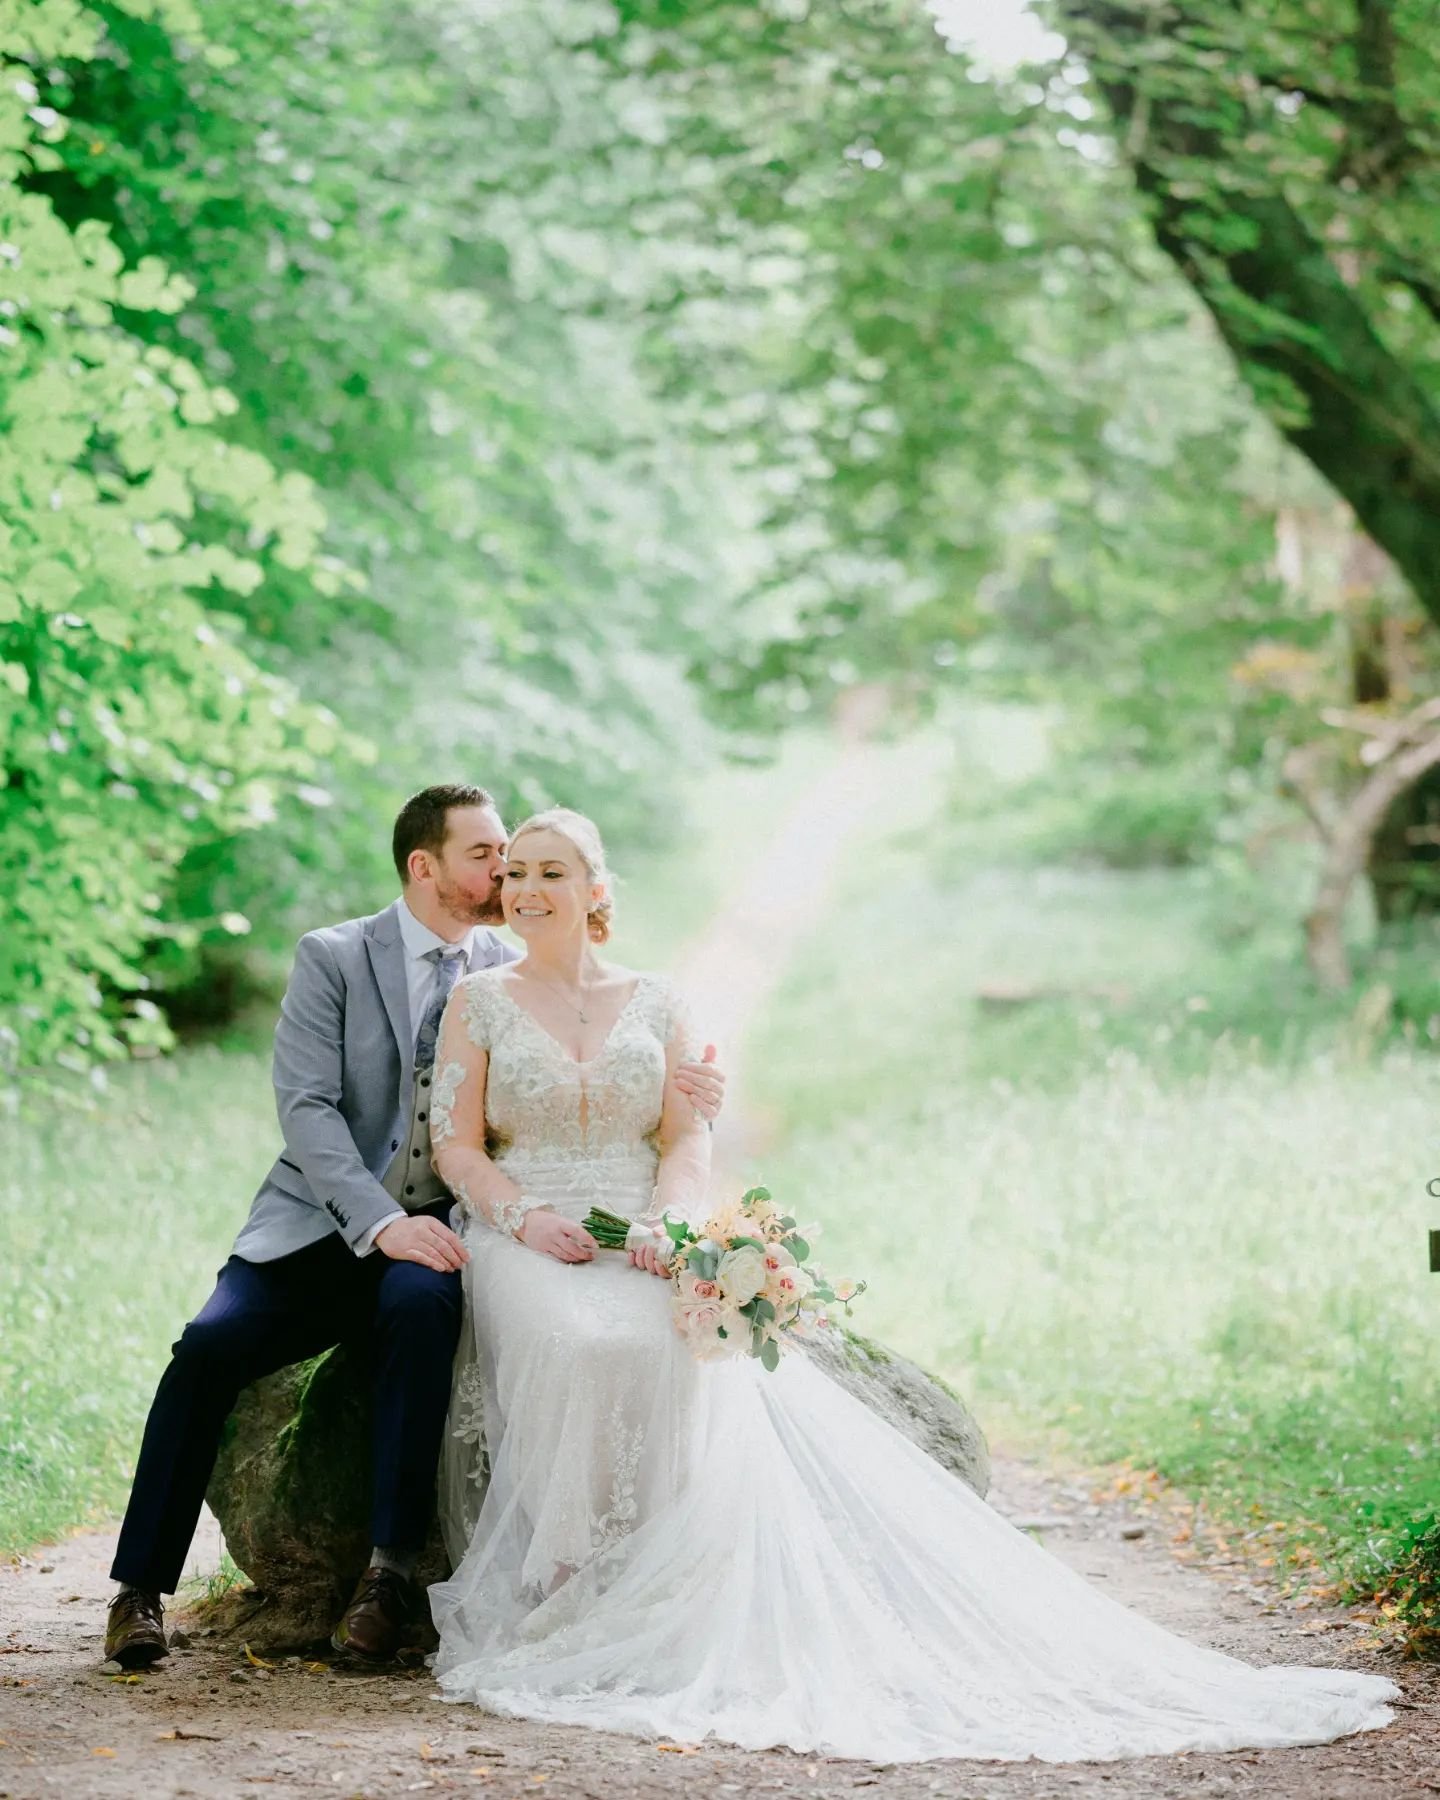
{"type": "Point", "coordinates": [743, 1282]}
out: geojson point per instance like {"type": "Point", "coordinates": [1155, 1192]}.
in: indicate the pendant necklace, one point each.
{"type": "Point", "coordinates": [578, 1009]}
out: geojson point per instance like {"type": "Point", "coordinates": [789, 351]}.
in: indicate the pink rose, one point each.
{"type": "Point", "coordinates": [696, 1324]}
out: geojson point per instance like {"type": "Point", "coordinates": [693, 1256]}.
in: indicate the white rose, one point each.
{"type": "Point", "coordinates": [742, 1273]}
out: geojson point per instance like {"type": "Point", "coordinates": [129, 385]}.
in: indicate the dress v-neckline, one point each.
{"type": "Point", "coordinates": [579, 1062]}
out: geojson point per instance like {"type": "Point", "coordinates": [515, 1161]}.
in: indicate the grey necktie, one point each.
{"type": "Point", "coordinates": [450, 966]}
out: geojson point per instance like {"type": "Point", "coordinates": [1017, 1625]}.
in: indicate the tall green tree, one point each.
{"type": "Point", "coordinates": [132, 720]}
{"type": "Point", "coordinates": [345, 186]}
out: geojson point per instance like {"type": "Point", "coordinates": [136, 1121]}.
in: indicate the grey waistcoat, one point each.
{"type": "Point", "coordinates": [346, 1092]}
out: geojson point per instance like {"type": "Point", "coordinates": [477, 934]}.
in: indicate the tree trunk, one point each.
{"type": "Point", "coordinates": [1403, 867]}
{"type": "Point", "coordinates": [1403, 862]}
{"type": "Point", "coordinates": [1349, 843]}
{"type": "Point", "coordinates": [1368, 426]}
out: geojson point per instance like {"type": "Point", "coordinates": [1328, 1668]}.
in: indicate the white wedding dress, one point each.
{"type": "Point", "coordinates": [679, 1549]}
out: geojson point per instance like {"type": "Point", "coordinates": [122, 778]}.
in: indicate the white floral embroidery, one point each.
{"type": "Point", "coordinates": [619, 1521]}
{"type": "Point", "coordinates": [510, 1215]}
{"type": "Point", "coordinates": [475, 1011]}
{"type": "Point", "coordinates": [468, 1413]}
{"type": "Point", "coordinates": [447, 1086]}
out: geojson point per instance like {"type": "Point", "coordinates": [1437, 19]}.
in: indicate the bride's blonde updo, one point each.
{"type": "Point", "coordinates": [584, 834]}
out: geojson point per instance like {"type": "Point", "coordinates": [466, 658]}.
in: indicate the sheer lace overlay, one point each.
{"type": "Point", "coordinates": [683, 1549]}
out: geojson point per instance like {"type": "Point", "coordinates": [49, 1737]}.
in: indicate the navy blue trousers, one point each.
{"type": "Point", "coordinates": [261, 1316]}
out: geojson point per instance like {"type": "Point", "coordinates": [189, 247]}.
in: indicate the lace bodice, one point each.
{"type": "Point", "coordinates": [569, 1133]}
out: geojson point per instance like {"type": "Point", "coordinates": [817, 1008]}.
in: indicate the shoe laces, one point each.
{"type": "Point", "coordinates": [136, 1600]}
{"type": "Point", "coordinates": [384, 1585]}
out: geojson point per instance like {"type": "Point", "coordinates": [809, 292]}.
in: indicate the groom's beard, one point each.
{"type": "Point", "coordinates": [470, 909]}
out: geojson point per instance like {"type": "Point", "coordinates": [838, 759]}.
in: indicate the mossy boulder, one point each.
{"type": "Point", "coordinates": [291, 1491]}
{"type": "Point", "coordinates": [292, 1485]}
{"type": "Point", "coordinates": [919, 1405]}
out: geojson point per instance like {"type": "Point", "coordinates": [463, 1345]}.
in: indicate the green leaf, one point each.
{"type": "Point", "coordinates": [49, 585]}
{"type": "Point", "coordinates": [110, 625]}
{"type": "Point", "coordinates": [770, 1355]}
{"type": "Point", "coordinates": [150, 287]}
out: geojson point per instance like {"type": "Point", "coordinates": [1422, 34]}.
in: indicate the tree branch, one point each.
{"type": "Point", "coordinates": [1369, 426]}
{"type": "Point", "coordinates": [1349, 848]}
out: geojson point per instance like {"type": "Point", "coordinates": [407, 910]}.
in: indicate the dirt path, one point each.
{"type": "Point", "coordinates": [787, 885]}
{"type": "Point", "coordinates": [207, 1723]}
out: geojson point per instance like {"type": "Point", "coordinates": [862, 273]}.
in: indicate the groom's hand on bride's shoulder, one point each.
{"type": "Point", "coordinates": [421, 1239]}
{"type": "Point", "coordinates": [703, 1083]}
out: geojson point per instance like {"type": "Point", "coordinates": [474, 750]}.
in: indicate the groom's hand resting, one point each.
{"type": "Point", "coordinates": [703, 1084]}
{"type": "Point", "coordinates": [421, 1239]}
{"type": "Point", "coordinates": [553, 1236]}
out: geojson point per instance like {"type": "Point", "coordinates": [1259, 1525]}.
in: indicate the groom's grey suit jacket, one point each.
{"type": "Point", "coordinates": [345, 1090]}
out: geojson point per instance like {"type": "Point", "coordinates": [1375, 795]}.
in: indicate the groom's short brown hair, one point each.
{"type": "Point", "coordinates": [422, 821]}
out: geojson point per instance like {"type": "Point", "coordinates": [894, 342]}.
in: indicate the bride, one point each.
{"type": "Point", "coordinates": [685, 1549]}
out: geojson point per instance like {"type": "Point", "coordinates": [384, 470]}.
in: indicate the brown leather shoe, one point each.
{"type": "Point", "coordinates": [375, 1622]}
{"type": "Point", "coordinates": [135, 1634]}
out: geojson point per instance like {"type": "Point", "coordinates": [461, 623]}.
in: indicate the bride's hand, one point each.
{"type": "Point", "coordinates": [553, 1236]}
{"type": "Point", "coordinates": [651, 1257]}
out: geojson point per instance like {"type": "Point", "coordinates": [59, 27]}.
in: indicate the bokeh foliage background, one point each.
{"type": "Point", "coordinates": [394, 389]}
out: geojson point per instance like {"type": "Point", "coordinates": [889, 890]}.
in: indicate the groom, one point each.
{"type": "Point", "coordinates": [348, 1237]}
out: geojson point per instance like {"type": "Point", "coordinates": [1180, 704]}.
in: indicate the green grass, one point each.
{"type": "Point", "coordinates": [1173, 1214]}
{"type": "Point", "coordinates": [208, 1589]}
{"type": "Point", "coordinates": [115, 1222]}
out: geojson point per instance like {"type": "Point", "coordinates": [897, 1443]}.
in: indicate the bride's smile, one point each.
{"type": "Point", "coordinates": [545, 879]}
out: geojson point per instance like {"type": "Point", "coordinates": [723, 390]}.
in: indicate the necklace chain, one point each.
{"type": "Point", "coordinates": [579, 1008]}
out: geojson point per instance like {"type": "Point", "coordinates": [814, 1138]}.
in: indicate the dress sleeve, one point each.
{"type": "Point", "coordinates": [457, 1111]}
{"type": "Point", "coordinates": [681, 1032]}
{"type": "Point", "coordinates": [683, 1138]}
{"type": "Point", "coordinates": [457, 1107]}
